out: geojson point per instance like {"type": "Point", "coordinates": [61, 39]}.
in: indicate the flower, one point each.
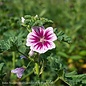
{"type": "Point", "coordinates": [18, 71]}
{"type": "Point", "coordinates": [41, 39]}
{"type": "Point", "coordinates": [22, 19]}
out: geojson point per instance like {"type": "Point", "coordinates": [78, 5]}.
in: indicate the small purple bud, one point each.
{"type": "Point", "coordinates": [22, 56]}
{"type": "Point", "coordinates": [31, 52]}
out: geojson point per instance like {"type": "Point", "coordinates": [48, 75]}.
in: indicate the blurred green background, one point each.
{"type": "Point", "coordinates": [68, 16]}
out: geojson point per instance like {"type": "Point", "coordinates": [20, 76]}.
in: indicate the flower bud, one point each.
{"type": "Point", "coordinates": [31, 52]}
{"type": "Point", "coordinates": [22, 19]}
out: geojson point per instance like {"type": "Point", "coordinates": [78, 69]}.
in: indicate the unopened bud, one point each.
{"type": "Point", "coordinates": [31, 52]}
{"type": "Point", "coordinates": [36, 16]}
{"type": "Point", "coordinates": [22, 19]}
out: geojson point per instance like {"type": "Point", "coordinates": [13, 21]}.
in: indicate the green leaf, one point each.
{"type": "Point", "coordinates": [63, 54]}
{"type": "Point", "coordinates": [75, 79]}
{"type": "Point", "coordinates": [72, 47]}
{"type": "Point", "coordinates": [71, 73]}
{"type": "Point", "coordinates": [83, 53]}
{"type": "Point", "coordinates": [63, 37]}
{"type": "Point", "coordinates": [84, 81]}
{"type": "Point", "coordinates": [76, 57]}
{"type": "Point", "coordinates": [35, 21]}
{"type": "Point", "coordinates": [12, 41]}
{"type": "Point", "coordinates": [22, 49]}
{"type": "Point", "coordinates": [1, 66]}
{"type": "Point", "coordinates": [2, 75]}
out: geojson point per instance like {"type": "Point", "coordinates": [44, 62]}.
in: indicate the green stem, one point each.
{"type": "Point", "coordinates": [65, 81]}
{"type": "Point", "coordinates": [27, 75]}
{"type": "Point", "coordinates": [37, 67]}
{"type": "Point", "coordinates": [28, 64]}
{"type": "Point", "coordinates": [56, 80]}
{"type": "Point", "coordinates": [60, 78]}
{"type": "Point", "coordinates": [13, 59]}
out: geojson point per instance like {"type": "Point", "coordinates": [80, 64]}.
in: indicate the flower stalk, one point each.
{"type": "Point", "coordinates": [13, 59]}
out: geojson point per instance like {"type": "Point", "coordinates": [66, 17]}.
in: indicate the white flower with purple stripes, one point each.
{"type": "Point", "coordinates": [41, 39]}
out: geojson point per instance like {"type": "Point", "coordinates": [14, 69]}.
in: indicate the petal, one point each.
{"type": "Point", "coordinates": [32, 39]}
{"type": "Point", "coordinates": [38, 47]}
{"type": "Point", "coordinates": [19, 75]}
{"type": "Point", "coordinates": [43, 47]}
{"type": "Point", "coordinates": [21, 69]}
{"type": "Point", "coordinates": [14, 71]}
{"type": "Point", "coordinates": [49, 34]}
{"type": "Point", "coordinates": [39, 31]}
{"type": "Point", "coordinates": [17, 70]}
{"type": "Point", "coordinates": [48, 45]}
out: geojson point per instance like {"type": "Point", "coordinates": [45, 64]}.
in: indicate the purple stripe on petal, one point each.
{"type": "Point", "coordinates": [49, 35]}
{"type": "Point", "coordinates": [49, 45]}
{"type": "Point", "coordinates": [46, 44]}
{"type": "Point", "coordinates": [38, 45]}
{"type": "Point", "coordinates": [35, 38]}
{"type": "Point", "coordinates": [39, 31]}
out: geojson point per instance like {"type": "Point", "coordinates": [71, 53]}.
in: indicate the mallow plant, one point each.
{"type": "Point", "coordinates": [36, 43]}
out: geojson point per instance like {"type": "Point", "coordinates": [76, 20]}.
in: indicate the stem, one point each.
{"type": "Point", "coordinates": [56, 80]}
{"type": "Point", "coordinates": [37, 67]}
{"type": "Point", "coordinates": [28, 64]}
{"type": "Point", "coordinates": [60, 78]}
{"type": "Point", "coordinates": [27, 75]}
{"type": "Point", "coordinates": [13, 59]}
{"type": "Point", "coordinates": [65, 81]}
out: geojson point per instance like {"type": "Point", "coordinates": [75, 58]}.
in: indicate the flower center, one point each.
{"type": "Point", "coordinates": [42, 40]}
